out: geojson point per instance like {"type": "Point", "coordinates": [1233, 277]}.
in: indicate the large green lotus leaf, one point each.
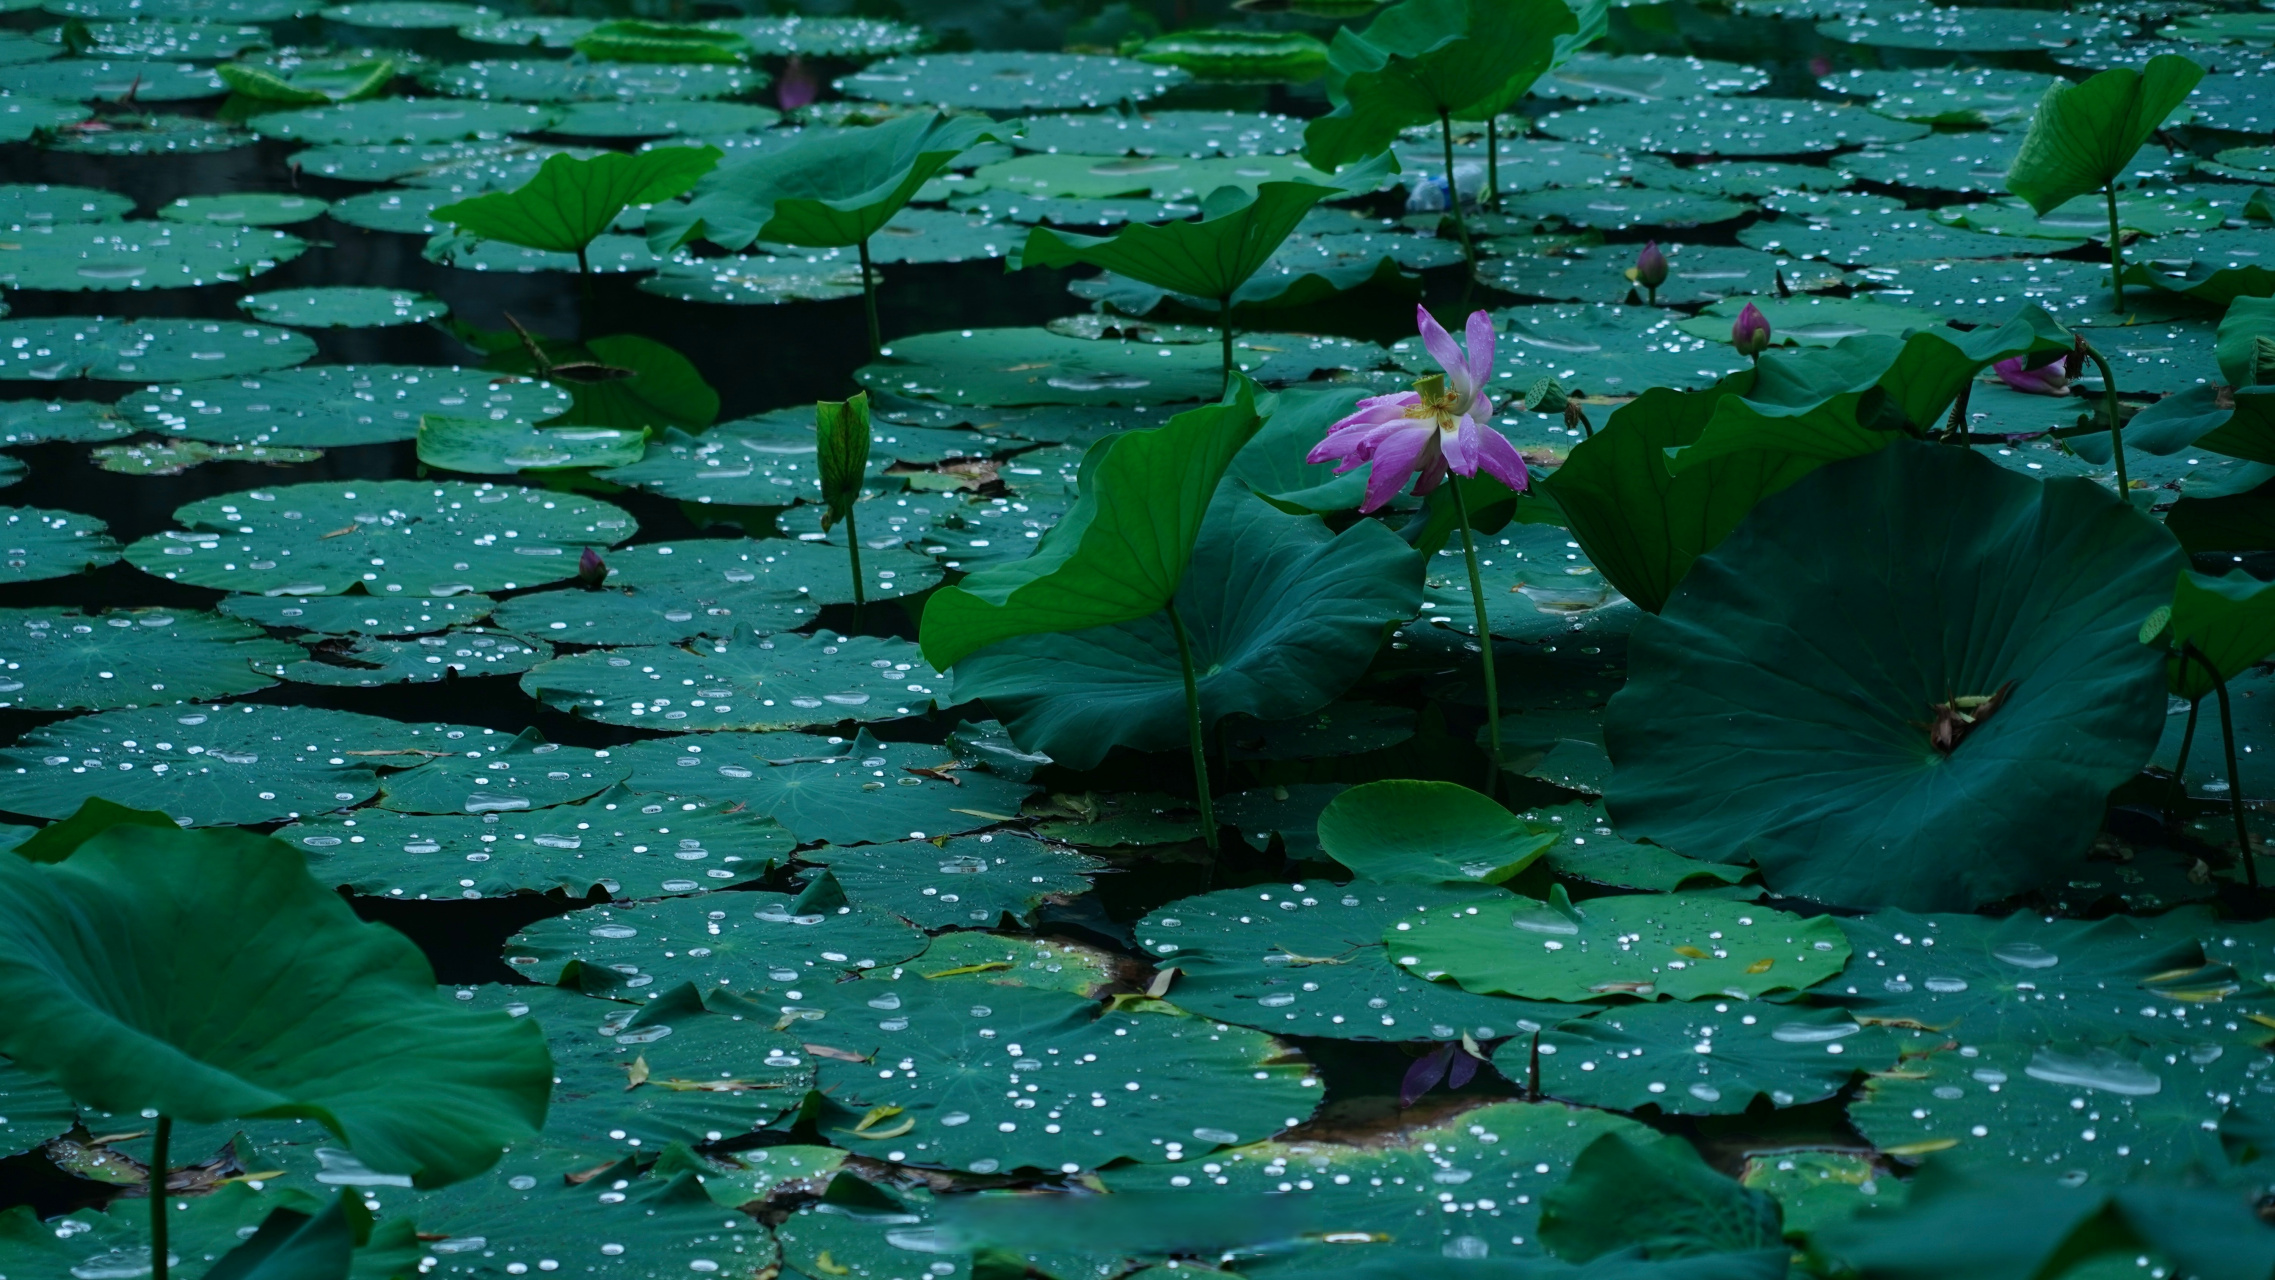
{"type": "Point", "coordinates": [530, 773]}
{"type": "Point", "coordinates": [750, 683]}
{"type": "Point", "coordinates": [439, 538]}
{"type": "Point", "coordinates": [2229, 620]}
{"type": "Point", "coordinates": [144, 351]}
{"type": "Point", "coordinates": [1494, 1163]}
{"type": "Point", "coordinates": [105, 79]}
{"type": "Point", "coordinates": [1701, 1059]}
{"type": "Point", "coordinates": [993, 367]}
{"type": "Point", "coordinates": [61, 660]}
{"type": "Point", "coordinates": [1006, 81]}
{"type": "Point", "coordinates": [329, 406]}
{"type": "Point", "coordinates": [626, 844]}
{"type": "Point", "coordinates": [966, 883]}
{"type": "Point", "coordinates": [113, 256]}
{"type": "Point", "coordinates": [203, 1230]}
{"type": "Point", "coordinates": [1811, 665]}
{"type": "Point", "coordinates": [1660, 1200]}
{"type": "Point", "coordinates": [1129, 1083]}
{"type": "Point", "coordinates": [2084, 135]}
{"type": "Point", "coordinates": [762, 945]}
{"type": "Point", "coordinates": [2077, 1109]}
{"type": "Point", "coordinates": [1283, 616]}
{"type": "Point", "coordinates": [830, 789]}
{"type": "Point", "coordinates": [360, 614]}
{"type": "Point", "coordinates": [1673, 946]}
{"type": "Point", "coordinates": [129, 1004]}
{"type": "Point", "coordinates": [553, 81]}
{"type": "Point", "coordinates": [343, 307]}
{"type": "Point", "coordinates": [1308, 960]}
{"type": "Point", "coordinates": [2028, 980]}
{"type": "Point", "coordinates": [1422, 60]}
{"type": "Point", "coordinates": [641, 1076]}
{"type": "Point", "coordinates": [212, 765]}
{"type": "Point", "coordinates": [403, 120]}
{"type": "Point", "coordinates": [828, 188]}
{"type": "Point", "coordinates": [1890, 239]}
{"type": "Point", "coordinates": [370, 662]}
{"type": "Point", "coordinates": [36, 544]}
{"type": "Point", "coordinates": [1743, 126]}
{"type": "Point", "coordinates": [571, 201]}
{"type": "Point", "coordinates": [31, 1110]}
{"type": "Point", "coordinates": [1405, 831]}
{"type": "Point", "coordinates": [1121, 551]}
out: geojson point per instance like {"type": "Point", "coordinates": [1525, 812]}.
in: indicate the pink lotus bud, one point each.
{"type": "Point", "coordinates": [1651, 266]}
{"type": "Point", "coordinates": [798, 85]}
{"type": "Point", "coordinates": [2049, 379]}
{"type": "Point", "coordinates": [592, 571]}
{"type": "Point", "coordinates": [1750, 332]}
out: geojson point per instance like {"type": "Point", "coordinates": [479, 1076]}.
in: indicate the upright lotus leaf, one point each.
{"type": "Point", "coordinates": [1119, 552]}
{"type": "Point", "coordinates": [1872, 724]}
{"type": "Point", "coordinates": [206, 976]}
{"type": "Point", "coordinates": [262, 84]}
{"type": "Point", "coordinates": [842, 439]}
{"type": "Point", "coordinates": [1413, 832]}
{"type": "Point", "coordinates": [2229, 620]}
{"type": "Point", "coordinates": [830, 188]}
{"type": "Point", "coordinates": [2245, 346]}
{"type": "Point", "coordinates": [1420, 61]}
{"type": "Point", "coordinates": [1283, 614]}
{"type": "Point", "coordinates": [1658, 1198]}
{"type": "Point", "coordinates": [571, 201]}
{"type": "Point", "coordinates": [59, 840]}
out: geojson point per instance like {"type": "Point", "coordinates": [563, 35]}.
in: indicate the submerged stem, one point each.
{"type": "Point", "coordinates": [158, 1160]}
{"type": "Point", "coordinates": [2109, 405]}
{"type": "Point", "coordinates": [2116, 250]}
{"type": "Point", "coordinates": [1460, 220]}
{"type": "Point", "coordinates": [869, 299]}
{"type": "Point", "coordinates": [1194, 736]}
{"type": "Point", "coordinates": [1484, 638]}
{"type": "Point", "coordinates": [2228, 740]}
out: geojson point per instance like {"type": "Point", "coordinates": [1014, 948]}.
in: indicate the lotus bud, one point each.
{"type": "Point", "coordinates": [798, 85]}
{"type": "Point", "coordinates": [1650, 268]}
{"type": "Point", "coordinates": [2048, 379]}
{"type": "Point", "coordinates": [592, 571]}
{"type": "Point", "coordinates": [1750, 332]}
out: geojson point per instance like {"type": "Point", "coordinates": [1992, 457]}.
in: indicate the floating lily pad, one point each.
{"type": "Point", "coordinates": [1117, 1081]}
{"type": "Point", "coordinates": [480, 447]}
{"type": "Point", "coordinates": [207, 766]}
{"type": "Point", "coordinates": [366, 662]}
{"type": "Point", "coordinates": [2241, 103]}
{"type": "Point", "coordinates": [1962, 96]}
{"type": "Point", "coordinates": [1308, 960]}
{"type": "Point", "coordinates": [245, 209]}
{"type": "Point", "coordinates": [1898, 24]}
{"type": "Point", "coordinates": [766, 461]}
{"type": "Point", "coordinates": [1035, 366]}
{"type": "Point", "coordinates": [1538, 584]}
{"type": "Point", "coordinates": [193, 41]}
{"type": "Point", "coordinates": [326, 406]}
{"type": "Point", "coordinates": [966, 883]}
{"type": "Point", "coordinates": [555, 82]}
{"type": "Point", "coordinates": [145, 350]}
{"type": "Point", "coordinates": [1729, 126]}
{"type": "Point", "coordinates": [111, 79]}
{"type": "Point", "coordinates": [1011, 81]}
{"type": "Point", "coordinates": [1618, 208]}
{"type": "Point", "coordinates": [110, 256]}
{"type": "Point", "coordinates": [173, 457]}
{"type": "Point", "coordinates": [146, 136]}
{"type": "Point", "coordinates": [360, 614]}
{"type": "Point", "coordinates": [623, 843]}
{"type": "Point", "coordinates": [1165, 133]}
{"type": "Point", "coordinates": [531, 773]}
{"type": "Point", "coordinates": [748, 683]}
{"type": "Point", "coordinates": [32, 205]}
{"type": "Point", "coordinates": [1602, 350]}
{"type": "Point", "coordinates": [1683, 947]}
{"type": "Point", "coordinates": [37, 544]}
{"type": "Point", "coordinates": [403, 120]}
{"type": "Point", "coordinates": [22, 117]}
{"type": "Point", "coordinates": [1012, 206]}
{"type": "Point", "coordinates": [19, 47]}
{"type": "Point", "coordinates": [343, 307]}
{"type": "Point", "coordinates": [1703, 1058]}
{"type": "Point", "coordinates": [605, 255]}
{"type": "Point", "coordinates": [40, 421]}
{"type": "Point", "coordinates": [391, 162]}
{"type": "Point", "coordinates": [1752, 179]}
{"type": "Point", "coordinates": [2085, 217]}
{"type": "Point", "coordinates": [1589, 848]}
{"type": "Point", "coordinates": [844, 792]}
{"type": "Point", "coordinates": [61, 660]}
{"type": "Point", "coordinates": [2215, 268]}
{"type": "Point", "coordinates": [1833, 206]}
{"type": "Point", "coordinates": [1601, 77]}
{"type": "Point", "coordinates": [406, 15]}
{"type": "Point", "coordinates": [934, 235]}
{"type": "Point", "coordinates": [772, 579]}
{"type": "Point", "coordinates": [404, 211]}
{"type": "Point", "coordinates": [755, 280]}
{"type": "Point", "coordinates": [182, 10]}
{"type": "Point", "coordinates": [1893, 238]}
{"type": "Point", "coordinates": [35, 1110]}
{"type": "Point", "coordinates": [1174, 178]}
{"type": "Point", "coordinates": [1817, 322]}
{"type": "Point", "coordinates": [632, 119]}
{"type": "Point", "coordinates": [782, 35]}
{"type": "Point", "coordinates": [755, 944]}
{"type": "Point", "coordinates": [441, 538]}
{"type": "Point", "coordinates": [1971, 161]}
{"type": "Point", "coordinates": [2246, 28]}
{"type": "Point", "coordinates": [530, 31]}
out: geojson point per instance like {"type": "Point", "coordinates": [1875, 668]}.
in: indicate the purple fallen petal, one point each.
{"type": "Point", "coordinates": [1427, 1073]}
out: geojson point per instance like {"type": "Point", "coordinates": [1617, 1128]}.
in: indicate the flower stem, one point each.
{"type": "Point", "coordinates": [1460, 220]}
{"type": "Point", "coordinates": [2228, 740]}
{"type": "Point", "coordinates": [1195, 739]}
{"type": "Point", "coordinates": [158, 1161]}
{"type": "Point", "coordinates": [869, 300]}
{"type": "Point", "coordinates": [1958, 427]}
{"type": "Point", "coordinates": [2116, 250]}
{"type": "Point", "coordinates": [2187, 741]}
{"type": "Point", "coordinates": [853, 549]}
{"type": "Point", "coordinates": [2109, 402]}
{"type": "Point", "coordinates": [1492, 163]}
{"type": "Point", "coordinates": [1484, 638]}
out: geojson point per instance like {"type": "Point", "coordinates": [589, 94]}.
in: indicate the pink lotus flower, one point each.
{"type": "Point", "coordinates": [2048, 379]}
{"type": "Point", "coordinates": [1750, 332]}
{"type": "Point", "coordinates": [1437, 427]}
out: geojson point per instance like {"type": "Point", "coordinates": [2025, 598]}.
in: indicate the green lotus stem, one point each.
{"type": "Point", "coordinates": [1460, 220]}
{"type": "Point", "coordinates": [1224, 331]}
{"type": "Point", "coordinates": [1492, 162]}
{"type": "Point", "coordinates": [1957, 427]}
{"type": "Point", "coordinates": [2228, 740]}
{"type": "Point", "coordinates": [2109, 403]}
{"type": "Point", "coordinates": [853, 549]}
{"type": "Point", "coordinates": [157, 1183]}
{"type": "Point", "coordinates": [1196, 740]}
{"type": "Point", "coordinates": [1484, 638]}
{"type": "Point", "coordinates": [2116, 250]}
{"type": "Point", "coordinates": [869, 300]}
{"type": "Point", "coordinates": [2187, 742]}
